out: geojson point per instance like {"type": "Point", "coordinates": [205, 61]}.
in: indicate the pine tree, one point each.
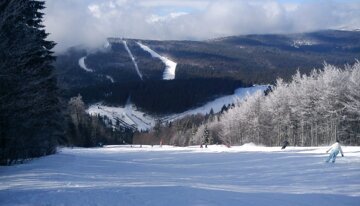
{"type": "Point", "coordinates": [206, 135]}
{"type": "Point", "coordinates": [30, 112]}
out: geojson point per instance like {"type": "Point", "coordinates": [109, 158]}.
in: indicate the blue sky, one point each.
{"type": "Point", "coordinates": [90, 22]}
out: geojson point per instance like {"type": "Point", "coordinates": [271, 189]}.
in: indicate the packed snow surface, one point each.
{"type": "Point", "coordinates": [128, 116]}
{"type": "Point", "coordinates": [170, 69]}
{"type": "Point", "coordinates": [83, 65]}
{"type": "Point", "coordinates": [131, 116]}
{"type": "Point", "coordinates": [110, 78]}
{"type": "Point", "coordinates": [162, 176]}
{"type": "Point", "coordinates": [132, 59]}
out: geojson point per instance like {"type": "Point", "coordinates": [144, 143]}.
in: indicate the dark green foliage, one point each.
{"type": "Point", "coordinates": [84, 130]}
{"type": "Point", "coordinates": [29, 109]}
{"type": "Point", "coordinates": [160, 97]}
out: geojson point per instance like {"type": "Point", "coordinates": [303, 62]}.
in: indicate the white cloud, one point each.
{"type": "Point", "coordinates": [89, 22]}
{"type": "Point", "coordinates": [169, 17]}
{"type": "Point", "coordinates": [95, 10]}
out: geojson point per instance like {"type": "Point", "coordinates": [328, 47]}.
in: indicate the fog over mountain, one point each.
{"type": "Point", "coordinates": [90, 22]}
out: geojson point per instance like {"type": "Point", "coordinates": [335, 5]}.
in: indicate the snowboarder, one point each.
{"type": "Point", "coordinates": [334, 151]}
{"type": "Point", "coordinates": [285, 144]}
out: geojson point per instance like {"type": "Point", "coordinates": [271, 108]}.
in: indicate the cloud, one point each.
{"type": "Point", "coordinates": [90, 22]}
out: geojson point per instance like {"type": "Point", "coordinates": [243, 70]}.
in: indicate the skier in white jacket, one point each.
{"type": "Point", "coordinates": [334, 151]}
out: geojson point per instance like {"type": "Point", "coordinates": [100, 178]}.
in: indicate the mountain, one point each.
{"type": "Point", "coordinates": [163, 77]}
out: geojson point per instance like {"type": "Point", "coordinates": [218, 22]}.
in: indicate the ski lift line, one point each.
{"type": "Point", "coordinates": [122, 122]}
{"type": "Point", "coordinates": [132, 59]}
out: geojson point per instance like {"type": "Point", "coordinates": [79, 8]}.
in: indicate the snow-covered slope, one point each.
{"type": "Point", "coordinates": [243, 175]}
{"type": "Point", "coordinates": [131, 117]}
{"type": "Point", "coordinates": [83, 65]}
{"type": "Point", "coordinates": [110, 78]}
{"type": "Point", "coordinates": [217, 104]}
{"type": "Point", "coordinates": [169, 72]}
{"type": "Point", "coordinates": [132, 59]}
{"type": "Point", "coordinates": [127, 116]}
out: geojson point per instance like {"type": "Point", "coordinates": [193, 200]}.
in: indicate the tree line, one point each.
{"type": "Point", "coordinates": [310, 110]}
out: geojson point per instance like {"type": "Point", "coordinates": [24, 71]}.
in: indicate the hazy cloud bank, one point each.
{"type": "Point", "coordinates": [90, 22]}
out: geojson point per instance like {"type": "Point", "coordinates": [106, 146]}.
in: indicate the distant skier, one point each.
{"type": "Point", "coordinates": [334, 151]}
{"type": "Point", "coordinates": [285, 144]}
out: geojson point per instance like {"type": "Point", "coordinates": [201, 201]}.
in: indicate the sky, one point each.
{"type": "Point", "coordinates": [90, 22]}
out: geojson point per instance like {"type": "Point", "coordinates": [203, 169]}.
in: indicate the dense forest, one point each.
{"type": "Point", "coordinates": [159, 97]}
{"type": "Point", "coordinates": [310, 110]}
{"type": "Point", "coordinates": [30, 115]}
{"type": "Point", "coordinates": [34, 118]}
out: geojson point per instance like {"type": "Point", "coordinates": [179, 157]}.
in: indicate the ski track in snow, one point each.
{"type": "Point", "coordinates": [170, 69]}
{"type": "Point", "coordinates": [132, 59]}
{"type": "Point", "coordinates": [132, 176]}
{"type": "Point", "coordinates": [110, 78]}
{"type": "Point", "coordinates": [83, 65]}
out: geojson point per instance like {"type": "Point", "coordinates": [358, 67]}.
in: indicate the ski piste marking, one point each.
{"type": "Point", "coordinates": [110, 78]}
{"type": "Point", "coordinates": [132, 59]}
{"type": "Point", "coordinates": [83, 65]}
{"type": "Point", "coordinates": [170, 66]}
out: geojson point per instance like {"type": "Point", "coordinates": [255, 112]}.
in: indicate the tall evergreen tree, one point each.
{"type": "Point", "coordinates": [29, 110]}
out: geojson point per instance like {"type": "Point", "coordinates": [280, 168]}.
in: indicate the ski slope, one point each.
{"type": "Point", "coordinates": [132, 59]}
{"type": "Point", "coordinates": [169, 72]}
{"type": "Point", "coordinates": [128, 116]}
{"type": "Point", "coordinates": [216, 105]}
{"type": "Point", "coordinates": [83, 65]}
{"type": "Point", "coordinates": [131, 116]}
{"type": "Point", "coordinates": [242, 175]}
{"type": "Point", "coordinates": [110, 78]}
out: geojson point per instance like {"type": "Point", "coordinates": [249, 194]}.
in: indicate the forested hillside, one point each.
{"type": "Point", "coordinates": [247, 59]}
{"type": "Point", "coordinates": [315, 109]}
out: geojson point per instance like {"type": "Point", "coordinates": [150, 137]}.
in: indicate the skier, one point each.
{"type": "Point", "coordinates": [285, 144]}
{"type": "Point", "coordinates": [334, 151]}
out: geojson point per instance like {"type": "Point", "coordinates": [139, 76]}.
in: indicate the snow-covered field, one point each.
{"type": "Point", "coordinates": [244, 175]}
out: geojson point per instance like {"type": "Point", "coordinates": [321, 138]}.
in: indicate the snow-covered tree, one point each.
{"type": "Point", "coordinates": [312, 109]}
